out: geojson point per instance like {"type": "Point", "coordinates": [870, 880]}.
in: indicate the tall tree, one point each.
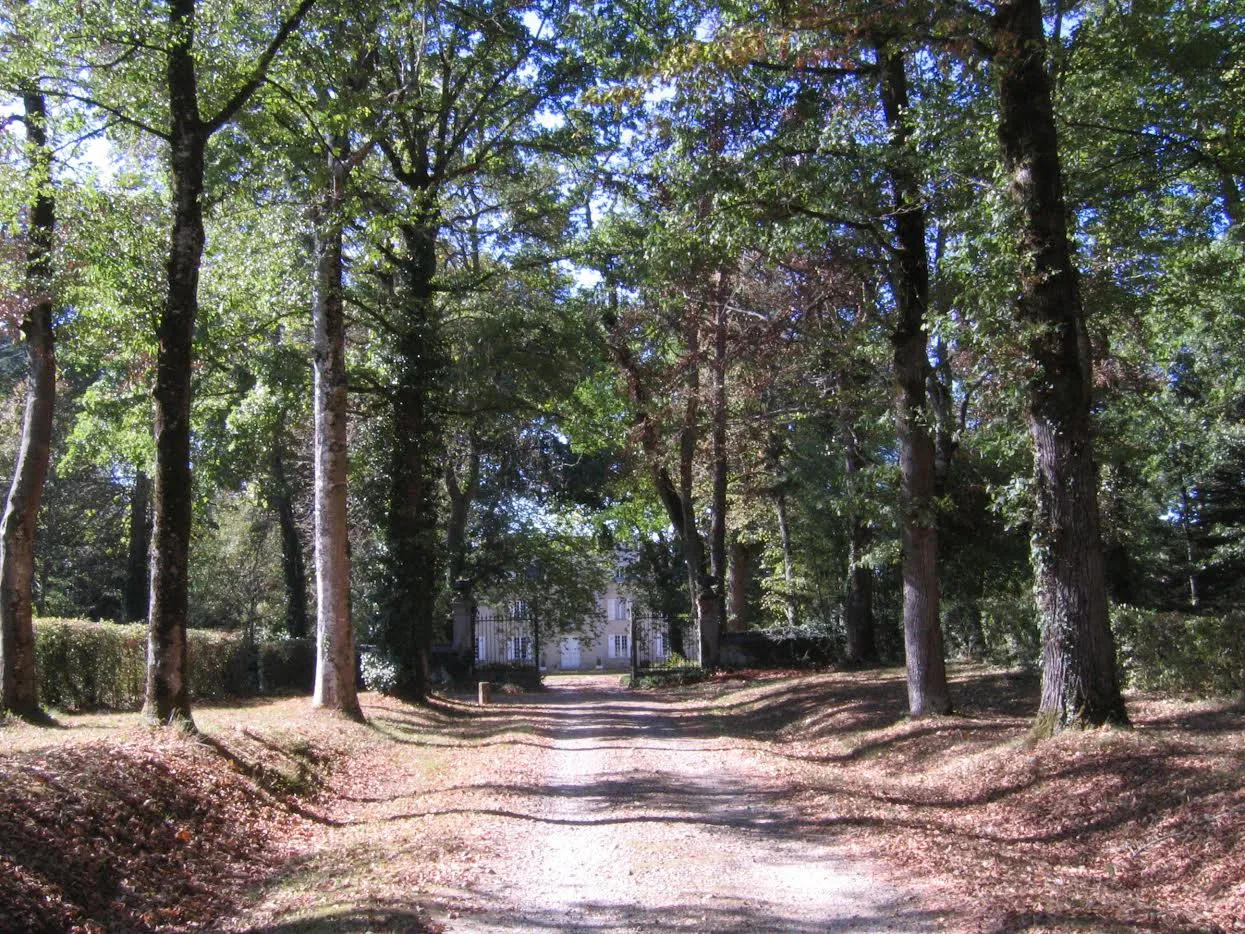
{"type": "Point", "coordinates": [335, 654]}
{"type": "Point", "coordinates": [1080, 686]}
{"type": "Point", "coordinates": [112, 67]}
{"type": "Point", "coordinates": [18, 690]}
{"type": "Point", "coordinates": [471, 82]}
{"type": "Point", "coordinates": [923, 645]}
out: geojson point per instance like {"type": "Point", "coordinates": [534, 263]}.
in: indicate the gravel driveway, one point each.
{"type": "Point", "coordinates": [633, 819]}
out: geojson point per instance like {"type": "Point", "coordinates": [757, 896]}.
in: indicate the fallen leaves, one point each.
{"type": "Point", "coordinates": [145, 833]}
{"type": "Point", "coordinates": [1110, 830]}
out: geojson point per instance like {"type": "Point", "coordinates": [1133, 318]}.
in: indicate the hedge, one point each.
{"type": "Point", "coordinates": [83, 665]}
{"type": "Point", "coordinates": [1181, 653]}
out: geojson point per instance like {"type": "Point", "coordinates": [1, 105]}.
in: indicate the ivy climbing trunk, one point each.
{"type": "Point", "coordinates": [1080, 686]}
{"type": "Point", "coordinates": [293, 567]}
{"type": "Point", "coordinates": [335, 686]}
{"type": "Point", "coordinates": [18, 687]}
{"type": "Point", "coordinates": [415, 461]}
{"type": "Point", "coordinates": [923, 645]}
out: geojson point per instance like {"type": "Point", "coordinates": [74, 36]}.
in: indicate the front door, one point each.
{"type": "Point", "coordinates": [570, 653]}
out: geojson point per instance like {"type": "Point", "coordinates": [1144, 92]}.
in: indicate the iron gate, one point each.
{"type": "Point", "coordinates": [661, 644]}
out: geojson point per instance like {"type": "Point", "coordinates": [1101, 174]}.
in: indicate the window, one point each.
{"type": "Point", "coordinates": [519, 649]}
{"type": "Point", "coordinates": [659, 645]}
{"type": "Point", "coordinates": [620, 645]}
{"type": "Point", "coordinates": [519, 610]}
{"type": "Point", "coordinates": [622, 609]}
{"type": "Point", "coordinates": [481, 649]}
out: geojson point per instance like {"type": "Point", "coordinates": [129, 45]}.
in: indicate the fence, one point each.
{"type": "Point", "coordinates": [658, 643]}
{"type": "Point", "coordinates": [506, 641]}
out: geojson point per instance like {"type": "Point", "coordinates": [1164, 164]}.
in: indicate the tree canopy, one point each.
{"type": "Point", "coordinates": [913, 328]}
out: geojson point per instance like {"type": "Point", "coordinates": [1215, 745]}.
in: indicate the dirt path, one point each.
{"type": "Point", "coordinates": [637, 821]}
{"type": "Point", "coordinates": [744, 803]}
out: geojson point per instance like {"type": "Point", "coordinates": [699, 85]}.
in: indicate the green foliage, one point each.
{"type": "Point", "coordinates": [85, 666]}
{"type": "Point", "coordinates": [1181, 653]}
{"type": "Point", "coordinates": [380, 672]}
{"type": "Point", "coordinates": [556, 573]}
{"type": "Point", "coordinates": [235, 568]}
{"type": "Point", "coordinates": [89, 666]}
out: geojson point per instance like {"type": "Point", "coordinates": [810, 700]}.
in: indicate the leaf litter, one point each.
{"type": "Point", "coordinates": [280, 813]}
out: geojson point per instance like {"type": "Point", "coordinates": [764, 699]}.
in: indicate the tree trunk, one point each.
{"type": "Point", "coordinates": [167, 696]}
{"type": "Point", "coordinates": [460, 495]}
{"type": "Point", "coordinates": [939, 388]}
{"type": "Point", "coordinates": [676, 500]}
{"type": "Point", "coordinates": [705, 587]}
{"type": "Point", "coordinates": [18, 687]}
{"type": "Point", "coordinates": [858, 624]}
{"type": "Point", "coordinates": [415, 464]}
{"type": "Point", "coordinates": [743, 562]}
{"type": "Point", "coordinates": [717, 521]}
{"type": "Point", "coordinates": [923, 644]}
{"type": "Point", "coordinates": [788, 558]}
{"type": "Point", "coordinates": [1080, 687]}
{"type": "Point", "coordinates": [335, 685]}
{"type": "Point", "coordinates": [1186, 525]}
{"type": "Point", "coordinates": [137, 595]}
{"type": "Point", "coordinates": [293, 567]}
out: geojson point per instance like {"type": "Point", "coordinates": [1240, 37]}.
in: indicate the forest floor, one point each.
{"type": "Point", "coordinates": [754, 802]}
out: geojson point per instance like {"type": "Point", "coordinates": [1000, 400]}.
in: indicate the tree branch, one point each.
{"type": "Point", "coordinates": [260, 71]}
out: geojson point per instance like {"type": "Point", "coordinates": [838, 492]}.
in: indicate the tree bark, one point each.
{"type": "Point", "coordinates": [167, 695]}
{"type": "Point", "coordinates": [788, 558]}
{"type": "Point", "coordinates": [137, 595]}
{"type": "Point", "coordinates": [743, 561]}
{"type": "Point", "coordinates": [705, 588]}
{"type": "Point", "coordinates": [293, 567]}
{"type": "Point", "coordinates": [460, 494]}
{"type": "Point", "coordinates": [18, 687]}
{"type": "Point", "coordinates": [415, 462]}
{"type": "Point", "coordinates": [939, 391]}
{"type": "Point", "coordinates": [718, 414]}
{"type": "Point", "coordinates": [676, 500]}
{"type": "Point", "coordinates": [923, 644]}
{"type": "Point", "coordinates": [1080, 687]}
{"type": "Point", "coordinates": [1186, 526]}
{"type": "Point", "coordinates": [858, 622]}
{"type": "Point", "coordinates": [335, 685]}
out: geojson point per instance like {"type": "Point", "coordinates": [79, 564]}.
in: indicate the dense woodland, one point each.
{"type": "Point", "coordinates": [914, 327]}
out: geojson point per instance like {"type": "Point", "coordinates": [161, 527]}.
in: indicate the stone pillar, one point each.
{"type": "Point", "coordinates": [462, 610]}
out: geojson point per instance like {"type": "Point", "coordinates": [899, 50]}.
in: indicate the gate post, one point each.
{"type": "Point", "coordinates": [463, 620]}
{"type": "Point", "coordinates": [635, 655]}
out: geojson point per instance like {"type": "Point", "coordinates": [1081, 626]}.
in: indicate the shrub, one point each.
{"type": "Point", "coordinates": [89, 666]}
{"type": "Point", "coordinates": [379, 672]}
{"type": "Point", "coordinates": [1181, 652]}
{"type": "Point", "coordinates": [84, 666]}
{"type": "Point", "coordinates": [287, 665]}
